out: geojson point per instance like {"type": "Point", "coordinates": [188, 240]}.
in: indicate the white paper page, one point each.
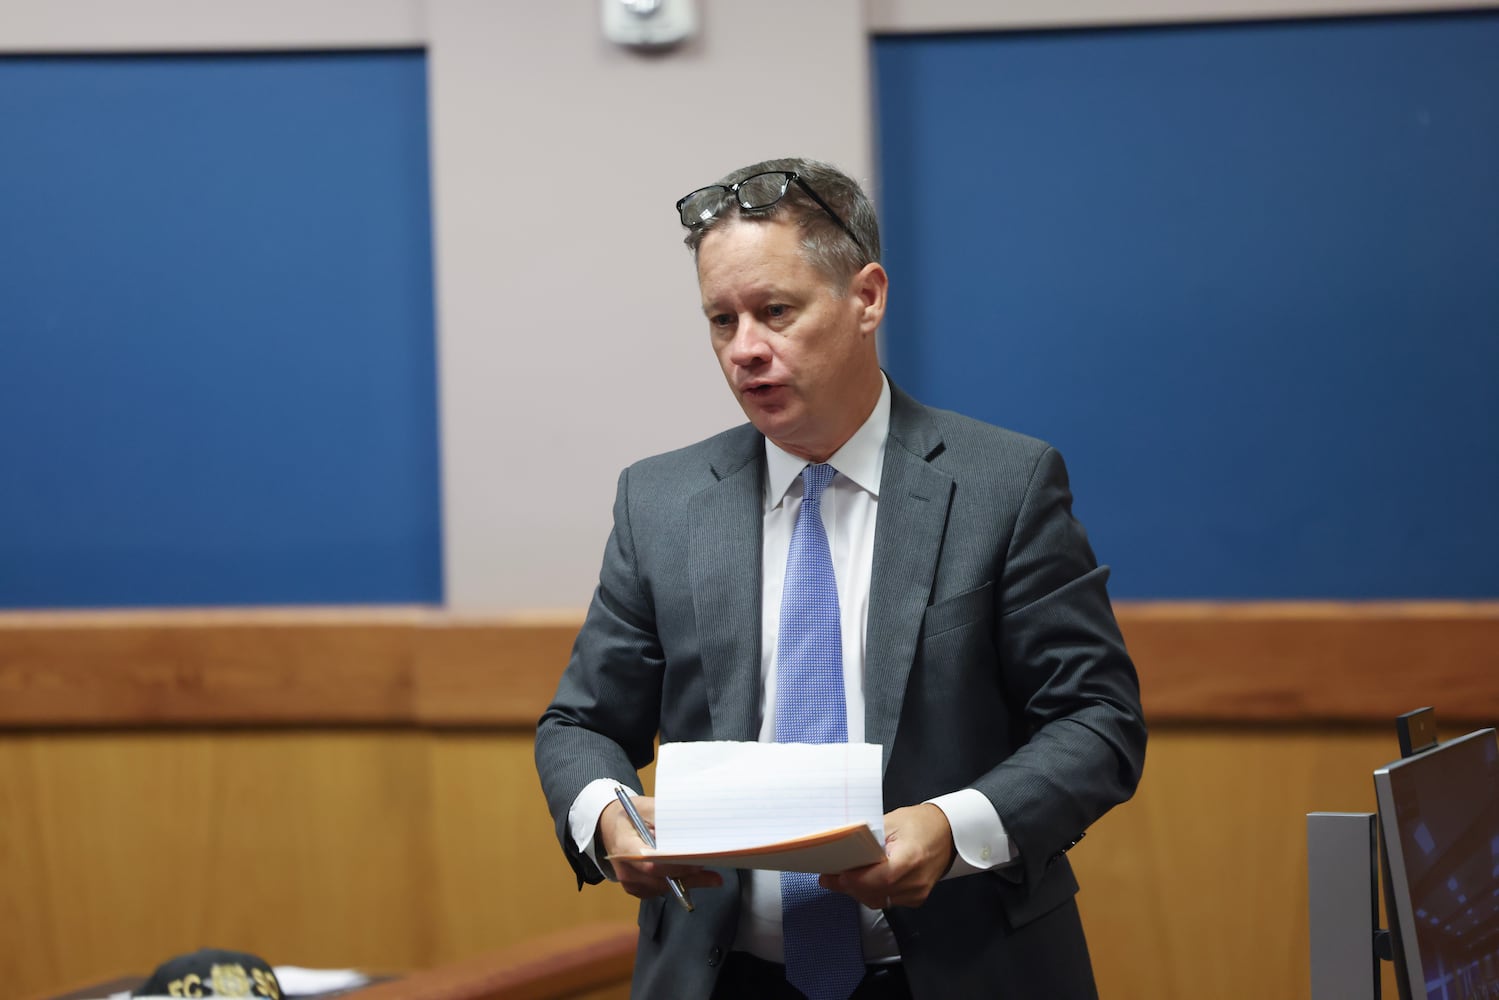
{"type": "Point", "coordinates": [299, 982]}
{"type": "Point", "coordinates": [722, 796]}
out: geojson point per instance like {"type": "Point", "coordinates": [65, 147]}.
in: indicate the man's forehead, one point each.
{"type": "Point", "coordinates": [750, 242]}
{"type": "Point", "coordinates": [746, 263]}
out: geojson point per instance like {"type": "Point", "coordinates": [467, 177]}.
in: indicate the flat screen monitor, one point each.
{"type": "Point", "coordinates": [1439, 826]}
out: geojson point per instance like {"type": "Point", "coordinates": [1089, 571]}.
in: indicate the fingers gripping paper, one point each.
{"type": "Point", "coordinates": [775, 806]}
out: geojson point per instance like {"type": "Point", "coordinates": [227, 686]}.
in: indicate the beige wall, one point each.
{"type": "Point", "coordinates": [572, 342]}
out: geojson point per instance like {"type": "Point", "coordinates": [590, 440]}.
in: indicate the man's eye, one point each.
{"type": "Point", "coordinates": [776, 311]}
{"type": "Point", "coordinates": [721, 322]}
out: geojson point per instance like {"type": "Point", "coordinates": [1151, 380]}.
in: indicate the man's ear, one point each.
{"type": "Point", "coordinates": [869, 288]}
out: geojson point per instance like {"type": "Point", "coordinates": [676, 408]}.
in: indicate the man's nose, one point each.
{"type": "Point", "coordinates": [749, 345]}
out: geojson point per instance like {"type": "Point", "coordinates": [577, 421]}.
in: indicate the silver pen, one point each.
{"type": "Point", "coordinates": [677, 889]}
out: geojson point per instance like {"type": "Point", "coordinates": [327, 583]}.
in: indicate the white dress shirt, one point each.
{"type": "Point", "coordinates": [850, 506]}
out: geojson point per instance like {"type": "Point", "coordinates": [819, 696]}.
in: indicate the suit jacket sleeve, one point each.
{"type": "Point", "coordinates": [1067, 674]}
{"type": "Point", "coordinates": [605, 715]}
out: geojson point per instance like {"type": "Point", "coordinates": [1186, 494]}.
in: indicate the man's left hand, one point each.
{"type": "Point", "coordinates": [919, 850]}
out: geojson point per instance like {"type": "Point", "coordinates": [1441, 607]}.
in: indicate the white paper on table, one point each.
{"type": "Point", "coordinates": [296, 981]}
{"type": "Point", "coordinates": [299, 982]}
{"type": "Point", "coordinates": [760, 804]}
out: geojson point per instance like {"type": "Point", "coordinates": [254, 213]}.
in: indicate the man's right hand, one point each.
{"type": "Point", "coordinates": [644, 879]}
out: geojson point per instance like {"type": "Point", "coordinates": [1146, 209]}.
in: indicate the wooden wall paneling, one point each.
{"type": "Point", "coordinates": [368, 797]}
{"type": "Point", "coordinates": [306, 848]}
{"type": "Point", "coordinates": [500, 876]}
{"type": "Point", "coordinates": [393, 849]}
{"type": "Point", "coordinates": [386, 849]}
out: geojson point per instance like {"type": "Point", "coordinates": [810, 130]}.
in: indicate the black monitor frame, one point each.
{"type": "Point", "coordinates": [1395, 867]}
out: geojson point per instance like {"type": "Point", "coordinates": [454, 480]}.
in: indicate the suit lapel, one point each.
{"type": "Point", "coordinates": [914, 501]}
{"type": "Point", "coordinates": [725, 523]}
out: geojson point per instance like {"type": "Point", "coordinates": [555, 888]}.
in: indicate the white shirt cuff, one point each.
{"type": "Point", "coordinates": [583, 819]}
{"type": "Point", "coordinates": [977, 832]}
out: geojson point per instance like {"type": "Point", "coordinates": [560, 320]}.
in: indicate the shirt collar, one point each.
{"type": "Point", "coordinates": [861, 459]}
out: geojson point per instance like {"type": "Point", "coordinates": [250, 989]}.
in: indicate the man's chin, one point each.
{"type": "Point", "coordinates": [769, 415]}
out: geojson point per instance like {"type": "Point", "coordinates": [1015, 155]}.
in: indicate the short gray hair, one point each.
{"type": "Point", "coordinates": [825, 244]}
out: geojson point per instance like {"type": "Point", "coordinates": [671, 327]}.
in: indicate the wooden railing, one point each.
{"type": "Point", "coordinates": [559, 966]}
{"type": "Point", "coordinates": [1198, 662]}
{"type": "Point", "coordinates": [554, 967]}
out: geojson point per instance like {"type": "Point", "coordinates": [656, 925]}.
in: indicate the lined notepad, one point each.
{"type": "Point", "coordinates": [776, 806]}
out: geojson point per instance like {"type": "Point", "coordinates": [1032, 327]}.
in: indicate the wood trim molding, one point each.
{"type": "Point", "coordinates": [155, 26]}
{"type": "Point", "coordinates": [1205, 662]}
{"type": "Point", "coordinates": [922, 16]}
{"type": "Point", "coordinates": [556, 966]}
{"type": "Point", "coordinates": [400, 666]}
{"type": "Point", "coordinates": [551, 967]}
{"type": "Point", "coordinates": [1276, 662]}
{"type": "Point", "coordinates": [93, 26]}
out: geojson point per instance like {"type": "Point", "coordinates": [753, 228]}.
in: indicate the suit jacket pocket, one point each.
{"type": "Point", "coordinates": [1023, 905]}
{"type": "Point", "coordinates": [955, 612]}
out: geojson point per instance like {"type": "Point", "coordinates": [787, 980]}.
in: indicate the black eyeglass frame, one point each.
{"type": "Point", "coordinates": [790, 177]}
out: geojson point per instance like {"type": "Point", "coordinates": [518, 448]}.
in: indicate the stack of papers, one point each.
{"type": "Point", "coordinates": [795, 807]}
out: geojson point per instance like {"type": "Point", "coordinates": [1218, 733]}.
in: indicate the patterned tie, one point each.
{"type": "Point", "coordinates": [820, 929]}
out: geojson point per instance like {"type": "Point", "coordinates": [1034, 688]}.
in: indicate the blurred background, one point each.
{"type": "Point", "coordinates": [327, 326]}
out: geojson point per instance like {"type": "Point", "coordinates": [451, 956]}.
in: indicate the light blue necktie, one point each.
{"type": "Point", "coordinates": [820, 929]}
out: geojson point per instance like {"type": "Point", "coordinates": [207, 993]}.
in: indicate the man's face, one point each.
{"type": "Point", "coordinates": [798, 352]}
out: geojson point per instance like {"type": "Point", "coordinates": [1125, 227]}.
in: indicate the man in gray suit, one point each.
{"type": "Point", "coordinates": [972, 629]}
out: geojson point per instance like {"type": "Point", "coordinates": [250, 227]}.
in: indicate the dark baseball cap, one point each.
{"type": "Point", "coordinates": [212, 972]}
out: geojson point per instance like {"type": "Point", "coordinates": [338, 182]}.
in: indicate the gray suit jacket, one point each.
{"type": "Point", "coordinates": [994, 662]}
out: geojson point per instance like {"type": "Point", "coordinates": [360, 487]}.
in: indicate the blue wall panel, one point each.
{"type": "Point", "coordinates": [217, 374]}
{"type": "Point", "coordinates": [1245, 277]}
